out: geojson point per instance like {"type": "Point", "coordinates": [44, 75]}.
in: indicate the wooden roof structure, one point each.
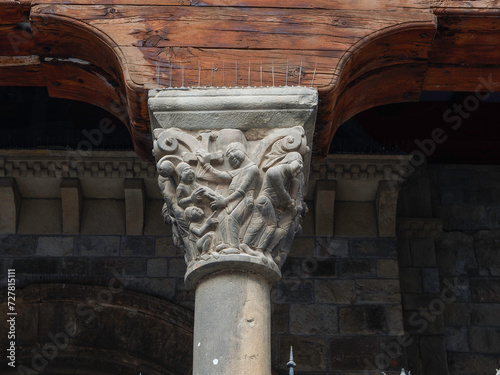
{"type": "Point", "coordinates": [358, 54]}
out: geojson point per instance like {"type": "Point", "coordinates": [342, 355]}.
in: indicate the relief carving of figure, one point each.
{"type": "Point", "coordinates": [276, 206]}
{"type": "Point", "coordinates": [243, 180]}
{"type": "Point", "coordinates": [245, 205]}
{"type": "Point", "coordinates": [200, 242]}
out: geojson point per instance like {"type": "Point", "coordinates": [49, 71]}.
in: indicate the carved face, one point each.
{"type": "Point", "coordinates": [235, 157]}
{"type": "Point", "coordinates": [296, 167]}
{"type": "Point", "coordinates": [187, 176]}
{"type": "Point", "coordinates": [196, 214]}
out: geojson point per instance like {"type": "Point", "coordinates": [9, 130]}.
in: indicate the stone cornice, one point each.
{"type": "Point", "coordinates": [356, 167]}
{"type": "Point", "coordinates": [74, 164]}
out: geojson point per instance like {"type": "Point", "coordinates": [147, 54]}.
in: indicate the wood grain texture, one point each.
{"type": "Point", "coordinates": [22, 75]}
{"type": "Point", "coordinates": [16, 39]}
{"type": "Point", "coordinates": [365, 52]}
{"type": "Point", "coordinates": [14, 11]}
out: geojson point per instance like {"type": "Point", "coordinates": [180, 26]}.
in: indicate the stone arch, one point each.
{"type": "Point", "coordinates": [82, 329]}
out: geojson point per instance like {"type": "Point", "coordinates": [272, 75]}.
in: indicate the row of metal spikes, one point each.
{"type": "Point", "coordinates": [236, 70]}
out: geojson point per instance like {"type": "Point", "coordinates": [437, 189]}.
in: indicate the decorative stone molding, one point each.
{"type": "Point", "coordinates": [233, 173]}
{"type": "Point", "coordinates": [74, 164]}
{"type": "Point", "coordinates": [419, 227]}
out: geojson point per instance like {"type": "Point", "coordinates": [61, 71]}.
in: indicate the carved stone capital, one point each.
{"type": "Point", "coordinates": [233, 166]}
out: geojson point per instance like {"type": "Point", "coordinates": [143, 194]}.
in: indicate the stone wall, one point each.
{"type": "Point", "coordinates": [341, 299]}
{"type": "Point", "coordinates": [338, 303]}
{"type": "Point", "coordinates": [468, 256]}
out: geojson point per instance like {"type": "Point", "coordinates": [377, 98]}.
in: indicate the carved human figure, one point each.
{"type": "Point", "coordinates": [199, 242]}
{"type": "Point", "coordinates": [188, 191]}
{"type": "Point", "coordinates": [275, 207]}
{"type": "Point", "coordinates": [243, 179]}
{"type": "Point", "coordinates": [172, 213]}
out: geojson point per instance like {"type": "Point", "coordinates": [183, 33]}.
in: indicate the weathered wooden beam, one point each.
{"type": "Point", "coordinates": [15, 11]}
{"type": "Point", "coordinates": [361, 54]}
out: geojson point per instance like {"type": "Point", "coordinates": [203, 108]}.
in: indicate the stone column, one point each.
{"type": "Point", "coordinates": [233, 165]}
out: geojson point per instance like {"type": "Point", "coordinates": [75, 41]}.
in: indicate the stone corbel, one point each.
{"type": "Point", "coordinates": [10, 203]}
{"type": "Point", "coordinates": [233, 166]}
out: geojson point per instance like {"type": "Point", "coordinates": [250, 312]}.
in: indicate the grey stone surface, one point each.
{"type": "Point", "coordinates": [127, 266]}
{"type": "Point", "coordinates": [482, 314]}
{"type": "Point", "coordinates": [71, 202]}
{"type": "Point", "coordinates": [404, 253]}
{"type": "Point", "coordinates": [374, 247]}
{"type": "Point", "coordinates": [231, 308]}
{"type": "Point", "coordinates": [313, 352]}
{"type": "Point", "coordinates": [331, 247]}
{"type": "Point", "coordinates": [433, 354]}
{"type": "Point", "coordinates": [378, 291]}
{"type": "Point", "coordinates": [338, 292]}
{"type": "Point", "coordinates": [36, 266]}
{"type": "Point", "coordinates": [411, 280]}
{"type": "Point", "coordinates": [423, 253]}
{"type": "Point", "coordinates": [488, 261]}
{"type": "Point", "coordinates": [12, 245]}
{"type": "Point", "coordinates": [138, 246]}
{"type": "Point", "coordinates": [395, 324]}
{"type": "Point", "coordinates": [430, 280]}
{"type": "Point", "coordinates": [485, 290]}
{"type": "Point", "coordinates": [349, 352]}
{"type": "Point", "coordinates": [40, 216]}
{"type": "Point", "coordinates": [467, 364]}
{"type": "Point", "coordinates": [177, 267]}
{"type": "Point", "coordinates": [103, 217]}
{"type": "Point", "coordinates": [74, 267]}
{"type": "Point", "coordinates": [165, 247]}
{"type": "Point", "coordinates": [312, 267]}
{"type": "Point", "coordinates": [293, 291]}
{"type": "Point", "coordinates": [355, 219]}
{"type": "Point", "coordinates": [98, 246]}
{"type": "Point", "coordinates": [168, 288]}
{"type": "Point", "coordinates": [324, 208]}
{"type": "Point", "coordinates": [10, 203]}
{"type": "Point", "coordinates": [484, 340]}
{"type": "Point", "coordinates": [55, 246]}
{"type": "Point", "coordinates": [456, 339]}
{"type": "Point", "coordinates": [457, 314]}
{"type": "Point", "coordinates": [457, 261]}
{"type": "Point", "coordinates": [387, 268]}
{"type": "Point", "coordinates": [135, 206]}
{"type": "Point", "coordinates": [157, 267]}
{"type": "Point", "coordinates": [302, 247]}
{"type": "Point", "coordinates": [362, 320]}
{"type": "Point", "coordinates": [357, 267]}
{"type": "Point", "coordinates": [279, 318]}
{"type": "Point", "coordinates": [313, 319]}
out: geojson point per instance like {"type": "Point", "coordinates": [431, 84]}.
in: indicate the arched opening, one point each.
{"type": "Point", "coordinates": [82, 329]}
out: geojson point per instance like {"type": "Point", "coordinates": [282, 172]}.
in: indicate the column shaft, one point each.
{"type": "Point", "coordinates": [232, 325]}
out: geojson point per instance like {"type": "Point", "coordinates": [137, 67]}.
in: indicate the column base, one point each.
{"type": "Point", "coordinates": [231, 262]}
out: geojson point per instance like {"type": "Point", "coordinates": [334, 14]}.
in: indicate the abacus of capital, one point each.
{"type": "Point", "coordinates": [233, 165]}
